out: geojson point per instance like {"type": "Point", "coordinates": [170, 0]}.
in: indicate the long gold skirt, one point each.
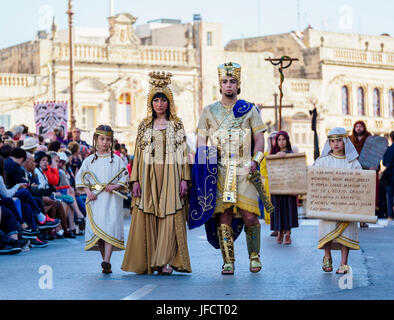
{"type": "Point", "coordinates": [157, 240]}
{"type": "Point", "coordinates": [153, 242]}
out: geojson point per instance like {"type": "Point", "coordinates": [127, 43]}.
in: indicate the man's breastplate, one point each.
{"type": "Point", "coordinates": [229, 142]}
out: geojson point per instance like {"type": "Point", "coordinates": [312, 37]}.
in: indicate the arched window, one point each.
{"type": "Point", "coordinates": [124, 112]}
{"type": "Point", "coordinates": [345, 100]}
{"type": "Point", "coordinates": [391, 103]}
{"type": "Point", "coordinates": [361, 101]}
{"type": "Point", "coordinates": [376, 103]}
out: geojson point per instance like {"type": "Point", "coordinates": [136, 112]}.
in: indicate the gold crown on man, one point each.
{"type": "Point", "coordinates": [231, 69]}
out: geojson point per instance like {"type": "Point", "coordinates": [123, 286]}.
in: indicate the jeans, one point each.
{"type": "Point", "coordinates": [389, 199]}
{"type": "Point", "coordinates": [25, 196]}
{"type": "Point", "coordinates": [14, 206]}
{"type": "Point", "coordinates": [81, 203]}
{"type": "Point", "coordinates": [8, 222]}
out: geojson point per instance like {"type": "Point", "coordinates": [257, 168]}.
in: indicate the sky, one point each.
{"type": "Point", "coordinates": [21, 19]}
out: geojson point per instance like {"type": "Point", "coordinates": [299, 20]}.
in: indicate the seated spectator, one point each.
{"type": "Point", "coordinates": [17, 132]}
{"type": "Point", "coordinates": [54, 146]}
{"type": "Point", "coordinates": [47, 205]}
{"type": "Point", "coordinates": [42, 164]}
{"type": "Point", "coordinates": [118, 149]}
{"type": "Point", "coordinates": [31, 212]}
{"type": "Point", "coordinates": [9, 226]}
{"type": "Point", "coordinates": [5, 151]}
{"type": "Point", "coordinates": [41, 140]}
{"type": "Point", "coordinates": [42, 148]}
{"type": "Point", "coordinates": [66, 187]}
{"type": "Point", "coordinates": [84, 152]}
{"type": "Point", "coordinates": [76, 159]}
{"type": "Point", "coordinates": [30, 145]}
{"type": "Point", "coordinates": [59, 133]}
{"type": "Point", "coordinates": [76, 137]}
{"type": "Point", "coordinates": [25, 132]}
{"type": "Point", "coordinates": [8, 134]}
{"type": "Point", "coordinates": [13, 167]}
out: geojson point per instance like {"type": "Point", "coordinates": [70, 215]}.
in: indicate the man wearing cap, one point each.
{"type": "Point", "coordinates": [236, 129]}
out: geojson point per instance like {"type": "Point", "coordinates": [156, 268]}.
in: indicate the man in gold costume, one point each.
{"type": "Point", "coordinates": [236, 129]}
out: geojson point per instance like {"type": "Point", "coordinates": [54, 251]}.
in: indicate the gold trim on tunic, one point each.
{"type": "Point", "coordinates": [100, 234]}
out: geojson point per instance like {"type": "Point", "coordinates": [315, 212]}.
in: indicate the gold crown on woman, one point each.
{"type": "Point", "coordinates": [231, 69]}
{"type": "Point", "coordinates": [159, 79]}
{"type": "Point", "coordinates": [159, 83]}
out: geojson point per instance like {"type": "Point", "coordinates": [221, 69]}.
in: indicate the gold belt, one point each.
{"type": "Point", "coordinates": [230, 182]}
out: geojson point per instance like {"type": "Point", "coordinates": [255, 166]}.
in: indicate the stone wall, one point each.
{"type": "Point", "coordinates": [22, 58]}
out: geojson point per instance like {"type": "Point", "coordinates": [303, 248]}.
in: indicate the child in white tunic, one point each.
{"type": "Point", "coordinates": [338, 152]}
{"type": "Point", "coordinates": [104, 226]}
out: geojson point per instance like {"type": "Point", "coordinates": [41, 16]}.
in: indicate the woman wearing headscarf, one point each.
{"type": "Point", "coordinates": [338, 152]}
{"type": "Point", "coordinates": [285, 216]}
{"type": "Point", "coordinates": [159, 178]}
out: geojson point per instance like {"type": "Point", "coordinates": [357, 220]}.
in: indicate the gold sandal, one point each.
{"type": "Point", "coordinates": [228, 268]}
{"type": "Point", "coordinates": [343, 269]}
{"type": "Point", "coordinates": [327, 264]}
{"type": "Point", "coordinates": [255, 263]}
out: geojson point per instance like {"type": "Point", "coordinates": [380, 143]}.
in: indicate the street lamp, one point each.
{"type": "Point", "coordinates": [70, 13]}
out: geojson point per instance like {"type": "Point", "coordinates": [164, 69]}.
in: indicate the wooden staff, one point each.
{"type": "Point", "coordinates": [276, 62]}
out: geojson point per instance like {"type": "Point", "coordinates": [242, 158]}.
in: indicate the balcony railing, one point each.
{"type": "Point", "coordinates": [15, 80]}
{"type": "Point", "coordinates": [357, 56]}
{"type": "Point", "coordinates": [143, 55]}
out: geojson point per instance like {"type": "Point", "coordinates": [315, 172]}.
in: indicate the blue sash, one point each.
{"type": "Point", "coordinates": [242, 107]}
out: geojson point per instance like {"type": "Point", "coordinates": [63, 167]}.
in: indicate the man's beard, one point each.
{"type": "Point", "coordinates": [229, 95]}
{"type": "Point", "coordinates": [359, 134]}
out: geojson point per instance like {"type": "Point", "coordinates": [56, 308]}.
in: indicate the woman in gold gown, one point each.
{"type": "Point", "coordinates": [160, 174]}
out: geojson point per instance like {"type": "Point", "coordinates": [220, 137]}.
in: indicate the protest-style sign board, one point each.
{"type": "Point", "coordinates": [287, 174]}
{"type": "Point", "coordinates": [341, 194]}
{"type": "Point", "coordinates": [372, 152]}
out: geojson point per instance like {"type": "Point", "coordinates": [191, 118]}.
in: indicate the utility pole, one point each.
{"type": "Point", "coordinates": [70, 13]}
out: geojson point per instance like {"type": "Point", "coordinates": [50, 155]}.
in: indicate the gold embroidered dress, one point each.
{"type": "Point", "coordinates": [233, 137]}
{"type": "Point", "coordinates": [157, 233]}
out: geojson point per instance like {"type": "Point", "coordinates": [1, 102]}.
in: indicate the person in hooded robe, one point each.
{"type": "Point", "coordinates": [338, 152]}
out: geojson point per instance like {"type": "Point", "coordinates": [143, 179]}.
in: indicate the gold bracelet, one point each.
{"type": "Point", "coordinates": [258, 157]}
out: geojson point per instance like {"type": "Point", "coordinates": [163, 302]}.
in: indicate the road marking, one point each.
{"type": "Point", "coordinates": [140, 293]}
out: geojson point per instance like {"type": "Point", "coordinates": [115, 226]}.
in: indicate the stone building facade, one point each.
{"type": "Point", "coordinates": [346, 76]}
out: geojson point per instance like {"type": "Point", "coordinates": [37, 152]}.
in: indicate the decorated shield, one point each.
{"type": "Point", "coordinates": [372, 152]}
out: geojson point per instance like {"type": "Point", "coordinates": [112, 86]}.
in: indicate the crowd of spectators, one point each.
{"type": "Point", "coordinates": [38, 199]}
